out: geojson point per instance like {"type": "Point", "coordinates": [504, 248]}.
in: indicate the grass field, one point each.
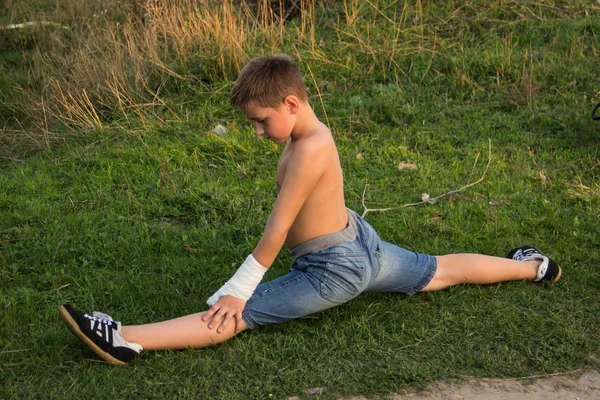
{"type": "Point", "coordinates": [127, 202]}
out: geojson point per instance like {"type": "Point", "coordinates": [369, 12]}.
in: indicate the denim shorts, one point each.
{"type": "Point", "coordinates": [328, 277]}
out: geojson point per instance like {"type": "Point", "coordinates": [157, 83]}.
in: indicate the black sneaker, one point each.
{"type": "Point", "coordinates": [548, 270]}
{"type": "Point", "coordinates": [102, 335]}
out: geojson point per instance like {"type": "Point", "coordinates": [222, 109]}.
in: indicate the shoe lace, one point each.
{"type": "Point", "coordinates": [103, 321]}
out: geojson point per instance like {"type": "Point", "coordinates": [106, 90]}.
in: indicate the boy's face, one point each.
{"type": "Point", "coordinates": [275, 125]}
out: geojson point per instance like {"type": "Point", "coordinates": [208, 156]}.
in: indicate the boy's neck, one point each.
{"type": "Point", "coordinates": [306, 122]}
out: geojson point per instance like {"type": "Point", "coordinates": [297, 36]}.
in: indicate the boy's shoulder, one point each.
{"type": "Point", "coordinates": [310, 155]}
{"type": "Point", "coordinates": [310, 152]}
{"type": "Point", "coordinates": [313, 140]}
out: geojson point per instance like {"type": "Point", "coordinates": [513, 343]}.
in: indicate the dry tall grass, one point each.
{"type": "Point", "coordinates": [118, 58]}
{"type": "Point", "coordinates": [118, 69]}
{"type": "Point", "coordinates": [121, 60]}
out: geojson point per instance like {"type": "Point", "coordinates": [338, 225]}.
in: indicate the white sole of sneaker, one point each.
{"type": "Point", "coordinates": [72, 325]}
{"type": "Point", "coordinates": [558, 275]}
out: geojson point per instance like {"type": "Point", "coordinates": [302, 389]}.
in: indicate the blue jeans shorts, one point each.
{"type": "Point", "coordinates": [328, 277]}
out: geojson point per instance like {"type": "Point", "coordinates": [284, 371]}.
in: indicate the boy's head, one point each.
{"type": "Point", "coordinates": [266, 82]}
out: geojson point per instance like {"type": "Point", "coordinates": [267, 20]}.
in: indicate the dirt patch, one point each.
{"type": "Point", "coordinates": [576, 385]}
{"type": "Point", "coordinates": [582, 385]}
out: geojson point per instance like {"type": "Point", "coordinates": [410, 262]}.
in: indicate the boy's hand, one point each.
{"type": "Point", "coordinates": [221, 313]}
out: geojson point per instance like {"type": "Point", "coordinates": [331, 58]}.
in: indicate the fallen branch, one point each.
{"type": "Point", "coordinates": [425, 198]}
{"type": "Point", "coordinates": [33, 23]}
{"type": "Point", "coordinates": [547, 375]}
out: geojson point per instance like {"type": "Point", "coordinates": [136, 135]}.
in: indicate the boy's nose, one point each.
{"type": "Point", "coordinates": [259, 131]}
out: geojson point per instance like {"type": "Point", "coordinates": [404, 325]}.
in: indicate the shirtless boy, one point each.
{"type": "Point", "coordinates": [337, 255]}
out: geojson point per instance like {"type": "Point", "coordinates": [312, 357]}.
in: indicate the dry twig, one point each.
{"type": "Point", "coordinates": [541, 171]}
{"type": "Point", "coordinates": [426, 199]}
{"type": "Point", "coordinates": [547, 375]}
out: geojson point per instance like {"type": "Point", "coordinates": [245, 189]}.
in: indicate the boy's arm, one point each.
{"type": "Point", "coordinates": [305, 167]}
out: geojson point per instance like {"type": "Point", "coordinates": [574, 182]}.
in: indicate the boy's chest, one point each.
{"type": "Point", "coordinates": [282, 165]}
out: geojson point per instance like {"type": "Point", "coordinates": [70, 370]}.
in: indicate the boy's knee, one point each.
{"type": "Point", "coordinates": [441, 279]}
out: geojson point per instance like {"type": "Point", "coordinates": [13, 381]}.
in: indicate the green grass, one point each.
{"type": "Point", "coordinates": [146, 223]}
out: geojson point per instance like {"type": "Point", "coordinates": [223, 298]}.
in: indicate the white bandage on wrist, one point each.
{"type": "Point", "coordinates": [242, 283]}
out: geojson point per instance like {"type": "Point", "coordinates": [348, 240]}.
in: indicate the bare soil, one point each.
{"type": "Point", "coordinates": [577, 385]}
{"type": "Point", "coordinates": [583, 385]}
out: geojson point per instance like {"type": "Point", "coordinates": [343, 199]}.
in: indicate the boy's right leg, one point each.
{"type": "Point", "coordinates": [119, 344]}
{"type": "Point", "coordinates": [297, 294]}
{"type": "Point", "coordinates": [179, 333]}
{"type": "Point", "coordinates": [308, 289]}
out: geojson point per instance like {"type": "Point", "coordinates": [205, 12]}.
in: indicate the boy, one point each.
{"type": "Point", "coordinates": [336, 258]}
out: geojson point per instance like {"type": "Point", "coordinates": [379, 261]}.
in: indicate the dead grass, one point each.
{"type": "Point", "coordinates": [121, 61]}
{"type": "Point", "coordinates": [116, 67]}
{"type": "Point", "coordinates": [583, 192]}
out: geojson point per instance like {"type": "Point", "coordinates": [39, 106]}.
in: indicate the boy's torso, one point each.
{"type": "Point", "coordinates": [324, 211]}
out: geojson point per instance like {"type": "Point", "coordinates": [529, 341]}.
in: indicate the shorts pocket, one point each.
{"type": "Point", "coordinates": [344, 278]}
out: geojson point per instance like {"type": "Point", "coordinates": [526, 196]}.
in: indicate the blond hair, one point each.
{"type": "Point", "coordinates": [266, 81]}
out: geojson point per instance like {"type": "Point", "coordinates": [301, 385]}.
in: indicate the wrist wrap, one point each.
{"type": "Point", "coordinates": [242, 283]}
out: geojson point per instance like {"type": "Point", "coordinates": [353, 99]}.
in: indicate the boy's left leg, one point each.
{"type": "Point", "coordinates": [454, 269]}
{"type": "Point", "coordinates": [521, 263]}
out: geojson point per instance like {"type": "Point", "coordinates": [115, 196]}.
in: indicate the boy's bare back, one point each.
{"type": "Point", "coordinates": [310, 200]}
{"type": "Point", "coordinates": [324, 210]}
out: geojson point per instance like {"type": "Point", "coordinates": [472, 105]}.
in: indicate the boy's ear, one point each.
{"type": "Point", "coordinates": [291, 103]}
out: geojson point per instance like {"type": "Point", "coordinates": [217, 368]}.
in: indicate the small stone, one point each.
{"type": "Point", "coordinates": [426, 199]}
{"type": "Point", "coordinates": [404, 165]}
{"type": "Point", "coordinates": [220, 130]}
{"type": "Point", "coordinates": [316, 390]}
